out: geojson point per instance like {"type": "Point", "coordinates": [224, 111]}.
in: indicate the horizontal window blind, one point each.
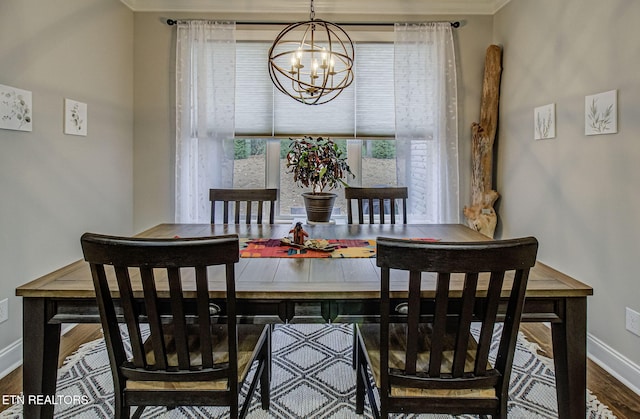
{"type": "Point", "coordinates": [375, 114]}
{"type": "Point", "coordinates": [254, 90]}
{"type": "Point", "coordinates": [366, 108]}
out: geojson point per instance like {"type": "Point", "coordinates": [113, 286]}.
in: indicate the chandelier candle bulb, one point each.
{"type": "Point", "coordinates": [293, 65]}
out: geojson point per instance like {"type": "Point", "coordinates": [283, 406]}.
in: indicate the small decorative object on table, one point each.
{"type": "Point", "coordinates": [299, 234]}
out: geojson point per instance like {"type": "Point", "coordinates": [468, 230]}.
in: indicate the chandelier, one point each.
{"type": "Point", "coordinates": [312, 61]}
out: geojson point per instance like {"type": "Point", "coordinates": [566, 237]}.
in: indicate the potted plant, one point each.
{"type": "Point", "coordinates": [320, 164]}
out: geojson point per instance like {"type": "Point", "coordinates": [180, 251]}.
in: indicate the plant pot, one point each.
{"type": "Point", "coordinates": [319, 206]}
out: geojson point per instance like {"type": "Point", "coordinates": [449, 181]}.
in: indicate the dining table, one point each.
{"type": "Point", "coordinates": [296, 288]}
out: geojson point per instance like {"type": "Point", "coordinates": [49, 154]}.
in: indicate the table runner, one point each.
{"type": "Point", "coordinates": [345, 248]}
{"type": "Point", "coordinates": [272, 248]}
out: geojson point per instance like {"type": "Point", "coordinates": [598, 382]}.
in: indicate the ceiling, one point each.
{"type": "Point", "coordinates": [273, 8]}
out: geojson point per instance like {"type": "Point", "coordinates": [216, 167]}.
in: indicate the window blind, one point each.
{"type": "Point", "coordinates": [366, 108]}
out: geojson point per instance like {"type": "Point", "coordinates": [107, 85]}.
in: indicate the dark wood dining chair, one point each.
{"type": "Point", "coordinates": [384, 198]}
{"type": "Point", "coordinates": [195, 353]}
{"type": "Point", "coordinates": [423, 356]}
{"type": "Point", "coordinates": [246, 196]}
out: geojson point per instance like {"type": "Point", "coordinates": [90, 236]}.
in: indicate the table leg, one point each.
{"type": "Point", "coordinates": [41, 346]}
{"type": "Point", "coordinates": [570, 359]}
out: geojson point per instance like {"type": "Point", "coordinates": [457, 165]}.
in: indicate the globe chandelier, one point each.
{"type": "Point", "coordinates": [312, 61]}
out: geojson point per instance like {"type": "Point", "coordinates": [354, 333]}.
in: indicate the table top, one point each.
{"type": "Point", "coordinates": [304, 278]}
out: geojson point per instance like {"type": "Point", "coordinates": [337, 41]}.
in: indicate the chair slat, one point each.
{"type": "Point", "coordinates": [153, 317]}
{"type": "Point", "coordinates": [464, 324]}
{"type": "Point", "coordinates": [259, 215]}
{"type": "Point", "coordinates": [113, 339]}
{"type": "Point", "coordinates": [488, 322]}
{"type": "Point", "coordinates": [204, 317]}
{"type": "Point", "coordinates": [440, 319]}
{"type": "Point", "coordinates": [179, 319]}
{"type": "Point", "coordinates": [130, 315]}
{"type": "Point", "coordinates": [225, 215]}
{"type": "Point", "coordinates": [413, 321]}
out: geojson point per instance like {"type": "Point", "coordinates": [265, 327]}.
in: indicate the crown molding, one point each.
{"type": "Point", "coordinates": [275, 8]}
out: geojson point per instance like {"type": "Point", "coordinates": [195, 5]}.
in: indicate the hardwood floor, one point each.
{"type": "Point", "coordinates": [69, 342]}
{"type": "Point", "coordinates": [624, 403]}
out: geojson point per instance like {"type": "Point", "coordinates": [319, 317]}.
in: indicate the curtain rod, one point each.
{"type": "Point", "coordinates": [454, 24]}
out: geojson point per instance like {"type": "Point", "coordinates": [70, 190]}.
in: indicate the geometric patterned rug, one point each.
{"type": "Point", "coordinates": [311, 378]}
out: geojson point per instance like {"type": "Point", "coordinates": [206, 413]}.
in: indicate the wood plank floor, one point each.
{"type": "Point", "coordinates": [624, 403]}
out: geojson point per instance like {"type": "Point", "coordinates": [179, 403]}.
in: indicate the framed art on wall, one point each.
{"type": "Point", "coordinates": [544, 119]}
{"type": "Point", "coordinates": [75, 117]}
{"type": "Point", "coordinates": [16, 110]}
{"type": "Point", "coordinates": [601, 113]}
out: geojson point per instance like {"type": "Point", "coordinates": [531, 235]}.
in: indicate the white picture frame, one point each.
{"type": "Point", "coordinates": [601, 113]}
{"type": "Point", "coordinates": [75, 117]}
{"type": "Point", "coordinates": [544, 122]}
{"type": "Point", "coordinates": [16, 109]}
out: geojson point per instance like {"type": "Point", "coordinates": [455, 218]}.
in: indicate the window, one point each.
{"type": "Point", "coordinates": [361, 119]}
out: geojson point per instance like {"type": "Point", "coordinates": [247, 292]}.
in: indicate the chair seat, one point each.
{"type": "Point", "coordinates": [369, 334]}
{"type": "Point", "coordinates": [249, 336]}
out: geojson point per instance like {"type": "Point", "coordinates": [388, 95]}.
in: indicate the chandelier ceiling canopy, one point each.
{"type": "Point", "coordinates": [312, 61]}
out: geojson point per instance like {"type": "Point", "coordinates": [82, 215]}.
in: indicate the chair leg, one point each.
{"type": "Point", "coordinates": [265, 377]}
{"type": "Point", "coordinates": [121, 411]}
{"type": "Point", "coordinates": [265, 393]}
{"type": "Point", "coordinates": [354, 365]}
{"type": "Point", "coordinates": [359, 391]}
{"type": "Point", "coordinates": [233, 410]}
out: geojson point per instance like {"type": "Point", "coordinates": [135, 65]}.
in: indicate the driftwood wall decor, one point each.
{"type": "Point", "coordinates": [481, 216]}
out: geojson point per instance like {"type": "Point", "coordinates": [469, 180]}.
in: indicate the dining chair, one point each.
{"type": "Point", "coordinates": [193, 353]}
{"type": "Point", "coordinates": [423, 354]}
{"type": "Point", "coordinates": [247, 196]}
{"type": "Point", "coordinates": [385, 199]}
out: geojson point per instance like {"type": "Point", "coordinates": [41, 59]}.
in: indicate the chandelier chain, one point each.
{"type": "Point", "coordinates": [312, 15]}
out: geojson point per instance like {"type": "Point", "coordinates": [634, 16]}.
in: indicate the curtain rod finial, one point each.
{"type": "Point", "coordinates": [171, 22]}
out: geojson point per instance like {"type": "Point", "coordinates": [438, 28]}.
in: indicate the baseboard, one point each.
{"type": "Point", "coordinates": [614, 363]}
{"type": "Point", "coordinates": [10, 358]}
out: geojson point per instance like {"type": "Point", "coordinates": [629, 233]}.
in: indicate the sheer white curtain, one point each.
{"type": "Point", "coordinates": [205, 110]}
{"type": "Point", "coordinates": [426, 121]}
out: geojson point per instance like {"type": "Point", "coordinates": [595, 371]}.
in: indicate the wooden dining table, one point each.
{"type": "Point", "coordinates": [287, 289]}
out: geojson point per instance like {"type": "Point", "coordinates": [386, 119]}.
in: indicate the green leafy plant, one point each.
{"type": "Point", "coordinates": [317, 163]}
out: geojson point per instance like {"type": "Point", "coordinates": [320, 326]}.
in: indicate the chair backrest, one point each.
{"type": "Point", "coordinates": [171, 276]}
{"type": "Point", "coordinates": [237, 197]}
{"type": "Point", "coordinates": [384, 198]}
{"type": "Point", "coordinates": [479, 268]}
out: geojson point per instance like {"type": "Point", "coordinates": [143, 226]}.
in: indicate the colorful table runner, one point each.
{"type": "Point", "coordinates": [344, 248]}
{"type": "Point", "coordinates": [272, 248]}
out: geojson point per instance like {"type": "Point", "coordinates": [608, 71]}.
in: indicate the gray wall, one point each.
{"type": "Point", "coordinates": [55, 186]}
{"type": "Point", "coordinates": [578, 194]}
{"type": "Point", "coordinates": [155, 89]}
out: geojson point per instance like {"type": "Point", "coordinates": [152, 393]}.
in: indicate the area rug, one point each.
{"type": "Point", "coordinates": [312, 378]}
